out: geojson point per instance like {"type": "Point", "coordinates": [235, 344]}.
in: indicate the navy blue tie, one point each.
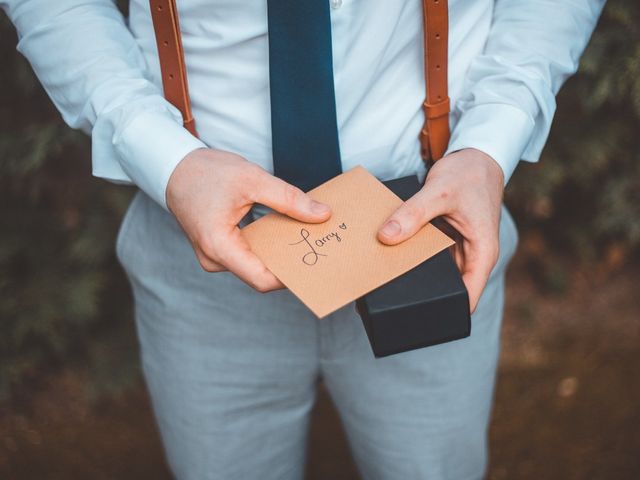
{"type": "Point", "coordinates": [306, 151]}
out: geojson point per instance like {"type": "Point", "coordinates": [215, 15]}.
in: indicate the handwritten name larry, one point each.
{"type": "Point", "coordinates": [312, 255]}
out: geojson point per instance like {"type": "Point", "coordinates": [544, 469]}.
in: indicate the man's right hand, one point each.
{"type": "Point", "coordinates": [210, 191]}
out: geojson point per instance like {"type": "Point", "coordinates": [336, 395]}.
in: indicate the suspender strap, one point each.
{"type": "Point", "coordinates": [174, 75]}
{"type": "Point", "coordinates": [434, 136]}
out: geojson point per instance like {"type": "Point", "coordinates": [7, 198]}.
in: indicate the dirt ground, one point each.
{"type": "Point", "coordinates": [567, 402]}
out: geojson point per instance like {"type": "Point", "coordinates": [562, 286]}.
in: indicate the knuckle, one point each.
{"type": "Point", "coordinates": [220, 256]}
{"type": "Point", "coordinates": [291, 194]}
{"type": "Point", "coordinates": [206, 264]}
{"type": "Point", "coordinates": [262, 281]}
{"type": "Point", "coordinates": [250, 176]}
{"type": "Point", "coordinates": [248, 167]}
{"type": "Point", "coordinates": [207, 246]}
{"type": "Point", "coordinates": [253, 170]}
{"type": "Point", "coordinates": [261, 285]}
{"type": "Point", "coordinates": [413, 211]}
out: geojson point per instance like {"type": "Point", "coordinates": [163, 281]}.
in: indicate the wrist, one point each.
{"type": "Point", "coordinates": [150, 144]}
{"type": "Point", "coordinates": [493, 168]}
{"type": "Point", "coordinates": [466, 170]}
{"type": "Point", "coordinates": [180, 175]}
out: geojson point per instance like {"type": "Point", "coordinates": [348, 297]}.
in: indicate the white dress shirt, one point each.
{"type": "Point", "coordinates": [507, 60]}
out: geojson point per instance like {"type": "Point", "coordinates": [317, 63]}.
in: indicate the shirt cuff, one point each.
{"type": "Point", "coordinates": [500, 130]}
{"type": "Point", "coordinates": [150, 147]}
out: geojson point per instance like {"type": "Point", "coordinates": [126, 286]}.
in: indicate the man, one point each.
{"type": "Point", "coordinates": [232, 369]}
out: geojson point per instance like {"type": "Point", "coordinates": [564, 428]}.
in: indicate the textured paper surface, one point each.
{"type": "Point", "coordinates": [330, 264]}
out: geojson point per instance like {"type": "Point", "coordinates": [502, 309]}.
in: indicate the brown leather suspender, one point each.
{"type": "Point", "coordinates": [174, 74]}
{"type": "Point", "coordinates": [434, 136]}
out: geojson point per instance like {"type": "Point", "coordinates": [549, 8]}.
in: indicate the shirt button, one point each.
{"type": "Point", "coordinates": [335, 4]}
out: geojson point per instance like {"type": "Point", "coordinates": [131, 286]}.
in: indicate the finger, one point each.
{"type": "Point", "coordinates": [289, 200]}
{"type": "Point", "coordinates": [415, 213]}
{"type": "Point", "coordinates": [238, 258]}
{"type": "Point", "coordinates": [208, 264]}
{"type": "Point", "coordinates": [479, 260]}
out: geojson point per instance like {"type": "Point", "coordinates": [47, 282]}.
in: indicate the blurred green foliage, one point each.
{"type": "Point", "coordinates": [584, 195]}
{"type": "Point", "coordinates": [63, 297]}
{"type": "Point", "coordinates": [62, 294]}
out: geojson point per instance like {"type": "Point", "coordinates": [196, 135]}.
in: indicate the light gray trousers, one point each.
{"type": "Point", "coordinates": [232, 373]}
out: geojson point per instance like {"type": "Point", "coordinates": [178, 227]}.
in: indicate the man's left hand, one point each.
{"type": "Point", "coordinates": [465, 188]}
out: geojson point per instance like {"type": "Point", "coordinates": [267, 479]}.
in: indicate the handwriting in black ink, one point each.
{"type": "Point", "coordinates": [311, 257]}
{"type": "Point", "coordinates": [327, 238]}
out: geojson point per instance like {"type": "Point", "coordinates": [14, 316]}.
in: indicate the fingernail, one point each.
{"type": "Point", "coordinates": [319, 208]}
{"type": "Point", "coordinates": [390, 229]}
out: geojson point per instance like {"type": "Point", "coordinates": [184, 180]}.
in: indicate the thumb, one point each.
{"type": "Point", "coordinates": [411, 217]}
{"type": "Point", "coordinates": [289, 200]}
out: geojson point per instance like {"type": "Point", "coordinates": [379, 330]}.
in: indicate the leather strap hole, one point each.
{"type": "Point", "coordinates": [165, 43]}
{"type": "Point", "coordinates": [437, 36]}
{"type": "Point", "coordinates": [171, 78]}
{"type": "Point", "coordinates": [159, 8]}
{"type": "Point", "coordinates": [438, 68]}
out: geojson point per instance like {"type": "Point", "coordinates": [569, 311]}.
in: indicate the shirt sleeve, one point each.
{"type": "Point", "coordinates": [509, 95]}
{"type": "Point", "coordinates": [93, 70]}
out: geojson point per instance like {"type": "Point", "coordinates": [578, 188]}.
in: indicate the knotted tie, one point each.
{"type": "Point", "coordinates": [306, 150]}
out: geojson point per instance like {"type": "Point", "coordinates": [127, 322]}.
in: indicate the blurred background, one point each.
{"type": "Point", "coordinates": [72, 402]}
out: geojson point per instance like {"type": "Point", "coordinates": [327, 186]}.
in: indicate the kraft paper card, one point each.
{"type": "Point", "coordinates": [330, 264]}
